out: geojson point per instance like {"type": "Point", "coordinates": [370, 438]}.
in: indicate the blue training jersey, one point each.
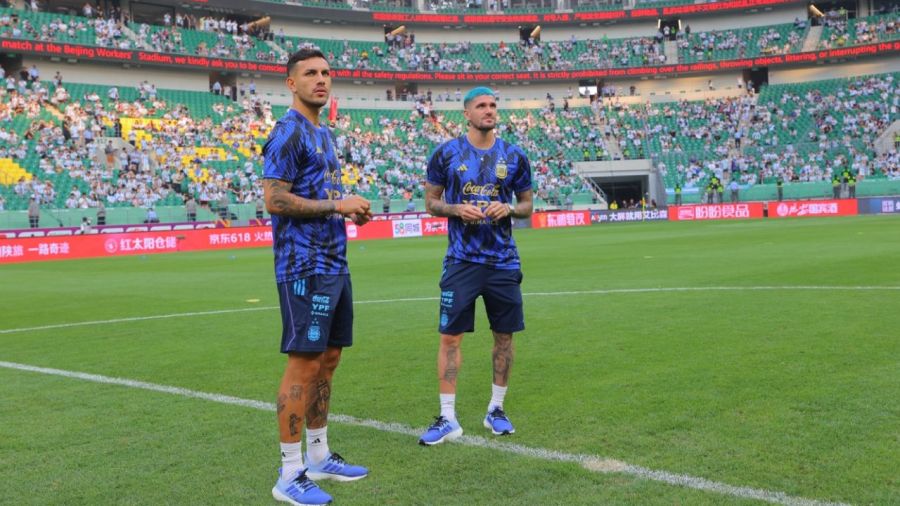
{"type": "Point", "coordinates": [303, 154]}
{"type": "Point", "coordinates": [478, 177]}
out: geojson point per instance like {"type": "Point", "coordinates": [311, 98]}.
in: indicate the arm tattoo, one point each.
{"type": "Point", "coordinates": [434, 202]}
{"type": "Point", "coordinates": [317, 407]}
{"type": "Point", "coordinates": [524, 204]}
{"type": "Point", "coordinates": [452, 368]}
{"type": "Point", "coordinates": [280, 201]}
{"type": "Point", "coordinates": [293, 422]}
{"type": "Point", "coordinates": [503, 357]}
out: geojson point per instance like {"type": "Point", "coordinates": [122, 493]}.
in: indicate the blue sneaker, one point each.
{"type": "Point", "coordinates": [441, 430]}
{"type": "Point", "coordinates": [499, 424]}
{"type": "Point", "coordinates": [299, 490]}
{"type": "Point", "coordinates": [334, 467]}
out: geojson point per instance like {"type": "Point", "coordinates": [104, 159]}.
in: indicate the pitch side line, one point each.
{"type": "Point", "coordinates": [592, 463]}
{"type": "Point", "coordinates": [421, 299]}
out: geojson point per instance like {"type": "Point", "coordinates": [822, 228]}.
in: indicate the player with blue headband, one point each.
{"type": "Point", "coordinates": [480, 183]}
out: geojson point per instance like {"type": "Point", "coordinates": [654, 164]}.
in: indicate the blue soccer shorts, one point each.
{"type": "Point", "coordinates": [500, 289]}
{"type": "Point", "coordinates": [316, 312]}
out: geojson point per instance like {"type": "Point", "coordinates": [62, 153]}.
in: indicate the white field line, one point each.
{"type": "Point", "coordinates": [420, 299]}
{"type": "Point", "coordinates": [592, 463]}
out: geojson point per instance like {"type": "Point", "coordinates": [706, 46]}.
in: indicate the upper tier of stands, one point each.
{"type": "Point", "coordinates": [479, 7]}
{"type": "Point", "coordinates": [404, 53]}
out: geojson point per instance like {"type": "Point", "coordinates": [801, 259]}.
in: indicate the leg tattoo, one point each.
{"type": "Point", "coordinates": [452, 368]}
{"type": "Point", "coordinates": [317, 405]}
{"type": "Point", "coordinates": [503, 357]}
{"type": "Point", "coordinates": [294, 422]}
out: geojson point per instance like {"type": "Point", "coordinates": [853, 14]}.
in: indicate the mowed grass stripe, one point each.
{"type": "Point", "coordinates": [425, 299]}
{"type": "Point", "coordinates": [590, 462]}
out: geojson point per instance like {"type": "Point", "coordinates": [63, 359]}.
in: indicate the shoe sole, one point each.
{"type": "Point", "coordinates": [334, 477]}
{"type": "Point", "coordinates": [503, 433]}
{"type": "Point", "coordinates": [447, 437]}
{"type": "Point", "coordinates": [279, 496]}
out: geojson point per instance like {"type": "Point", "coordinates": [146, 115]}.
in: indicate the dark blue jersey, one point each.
{"type": "Point", "coordinates": [479, 177]}
{"type": "Point", "coordinates": [301, 153]}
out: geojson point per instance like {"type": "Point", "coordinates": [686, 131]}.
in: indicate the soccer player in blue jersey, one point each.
{"type": "Point", "coordinates": [304, 195]}
{"type": "Point", "coordinates": [472, 180]}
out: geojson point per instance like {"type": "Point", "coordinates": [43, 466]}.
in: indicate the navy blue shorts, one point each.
{"type": "Point", "coordinates": [316, 312]}
{"type": "Point", "coordinates": [500, 289]}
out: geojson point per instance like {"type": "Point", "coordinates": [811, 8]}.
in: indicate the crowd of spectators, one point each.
{"type": "Point", "coordinates": [843, 31]}
{"type": "Point", "coordinates": [800, 133]}
{"type": "Point", "coordinates": [793, 136]}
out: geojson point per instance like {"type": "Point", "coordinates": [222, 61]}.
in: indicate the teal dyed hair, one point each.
{"type": "Point", "coordinates": [477, 92]}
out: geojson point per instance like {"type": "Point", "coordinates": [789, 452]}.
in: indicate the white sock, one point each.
{"type": "Point", "coordinates": [291, 459]}
{"type": "Point", "coordinates": [497, 395]}
{"type": "Point", "coordinates": [448, 406]}
{"type": "Point", "coordinates": [317, 444]}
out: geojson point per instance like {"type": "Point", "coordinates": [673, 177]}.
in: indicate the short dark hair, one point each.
{"type": "Point", "coordinates": [301, 55]}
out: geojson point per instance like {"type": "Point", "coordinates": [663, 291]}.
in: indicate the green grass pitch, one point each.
{"type": "Point", "coordinates": [739, 382]}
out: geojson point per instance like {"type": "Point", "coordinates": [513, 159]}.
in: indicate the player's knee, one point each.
{"type": "Point", "coordinates": [451, 340]}
{"type": "Point", "coordinates": [304, 366]}
{"type": "Point", "coordinates": [330, 359]}
{"type": "Point", "coordinates": [502, 337]}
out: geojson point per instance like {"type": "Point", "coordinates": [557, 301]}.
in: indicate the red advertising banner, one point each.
{"type": "Point", "coordinates": [103, 245]}
{"type": "Point", "coordinates": [559, 219]}
{"type": "Point", "coordinates": [202, 62]}
{"type": "Point", "coordinates": [571, 17]}
{"type": "Point", "coordinates": [716, 212]}
{"type": "Point", "coordinates": [434, 226]}
{"type": "Point", "coordinates": [31, 249]}
{"type": "Point", "coordinates": [793, 208]}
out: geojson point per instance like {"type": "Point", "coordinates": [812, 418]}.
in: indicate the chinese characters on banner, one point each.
{"type": "Point", "coordinates": [716, 212]}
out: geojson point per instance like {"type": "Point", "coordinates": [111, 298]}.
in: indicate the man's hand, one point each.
{"type": "Point", "coordinates": [360, 219]}
{"type": "Point", "coordinates": [354, 204]}
{"type": "Point", "coordinates": [497, 210]}
{"type": "Point", "coordinates": [469, 213]}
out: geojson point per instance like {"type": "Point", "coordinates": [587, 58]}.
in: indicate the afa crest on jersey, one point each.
{"type": "Point", "coordinates": [462, 168]}
{"type": "Point", "coordinates": [500, 169]}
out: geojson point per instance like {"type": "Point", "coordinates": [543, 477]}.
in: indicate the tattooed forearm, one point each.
{"type": "Point", "coordinates": [503, 357]}
{"type": "Point", "coordinates": [317, 407]}
{"type": "Point", "coordinates": [451, 370]}
{"type": "Point", "coordinates": [294, 424]}
{"type": "Point", "coordinates": [434, 202]}
{"type": "Point", "coordinates": [524, 204]}
{"type": "Point", "coordinates": [280, 201]}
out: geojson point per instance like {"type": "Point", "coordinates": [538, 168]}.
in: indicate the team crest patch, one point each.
{"type": "Point", "coordinates": [444, 319]}
{"type": "Point", "coordinates": [462, 168]}
{"type": "Point", "coordinates": [314, 333]}
{"type": "Point", "coordinates": [319, 150]}
{"type": "Point", "coordinates": [501, 169]}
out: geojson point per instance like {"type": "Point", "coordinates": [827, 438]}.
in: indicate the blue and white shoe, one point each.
{"type": "Point", "coordinates": [334, 467]}
{"type": "Point", "coordinates": [441, 430]}
{"type": "Point", "coordinates": [499, 424]}
{"type": "Point", "coordinates": [299, 490]}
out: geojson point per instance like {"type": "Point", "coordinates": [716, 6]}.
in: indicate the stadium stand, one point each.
{"type": "Point", "coordinates": [75, 145]}
{"type": "Point", "coordinates": [220, 37]}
